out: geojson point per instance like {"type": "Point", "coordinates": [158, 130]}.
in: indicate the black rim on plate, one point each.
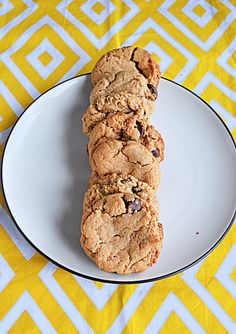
{"type": "Point", "coordinates": [107, 280]}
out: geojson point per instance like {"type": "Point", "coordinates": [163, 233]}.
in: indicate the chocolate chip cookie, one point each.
{"type": "Point", "coordinates": [130, 157]}
{"type": "Point", "coordinates": [128, 93]}
{"type": "Point", "coordinates": [126, 59]}
{"type": "Point", "coordinates": [120, 230]}
{"type": "Point", "coordinates": [125, 127]}
{"type": "Point", "coordinates": [129, 82]}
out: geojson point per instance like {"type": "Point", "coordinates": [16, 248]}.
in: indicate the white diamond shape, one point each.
{"type": "Point", "coordinates": [57, 58]}
{"type": "Point", "coordinates": [205, 18]}
{"type": "Point", "coordinates": [213, 38]}
{"type": "Point", "coordinates": [98, 18]}
{"type": "Point", "coordinates": [5, 7]}
{"type": "Point", "coordinates": [6, 273]}
{"type": "Point", "coordinates": [99, 42]}
{"type": "Point", "coordinates": [22, 40]}
{"type": "Point", "coordinates": [31, 7]}
{"type": "Point", "coordinates": [166, 60]}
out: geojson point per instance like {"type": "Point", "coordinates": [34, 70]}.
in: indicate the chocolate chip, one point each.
{"type": "Point", "coordinates": [156, 153]}
{"type": "Point", "coordinates": [124, 181]}
{"type": "Point", "coordinates": [134, 206]}
{"type": "Point", "coordinates": [153, 90]}
{"type": "Point", "coordinates": [140, 129]}
{"type": "Point", "coordinates": [122, 134]}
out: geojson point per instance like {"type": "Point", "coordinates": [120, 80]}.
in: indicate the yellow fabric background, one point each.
{"type": "Point", "coordinates": [208, 302]}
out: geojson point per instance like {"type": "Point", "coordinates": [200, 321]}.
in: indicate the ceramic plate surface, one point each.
{"type": "Point", "coordinates": [45, 174]}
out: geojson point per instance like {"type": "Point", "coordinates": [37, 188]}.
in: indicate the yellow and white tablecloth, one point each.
{"type": "Point", "coordinates": [43, 42]}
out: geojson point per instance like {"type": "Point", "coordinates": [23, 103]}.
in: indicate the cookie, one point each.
{"type": "Point", "coordinates": [128, 93]}
{"type": "Point", "coordinates": [120, 230]}
{"type": "Point", "coordinates": [119, 183]}
{"type": "Point", "coordinates": [121, 126]}
{"type": "Point", "coordinates": [127, 103]}
{"type": "Point", "coordinates": [126, 59]}
{"type": "Point", "coordinates": [128, 82]}
{"type": "Point", "coordinates": [130, 157]}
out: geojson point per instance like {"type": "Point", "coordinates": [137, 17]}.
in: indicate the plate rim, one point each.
{"type": "Point", "coordinates": [58, 264]}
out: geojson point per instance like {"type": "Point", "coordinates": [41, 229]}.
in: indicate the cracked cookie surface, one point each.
{"type": "Point", "coordinates": [130, 157]}
{"type": "Point", "coordinates": [127, 59]}
{"type": "Point", "coordinates": [128, 82]}
{"type": "Point", "coordinates": [120, 229]}
{"type": "Point", "coordinates": [128, 93]}
{"type": "Point", "coordinates": [127, 127]}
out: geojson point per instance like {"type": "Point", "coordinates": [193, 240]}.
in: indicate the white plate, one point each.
{"type": "Point", "coordinates": [45, 174]}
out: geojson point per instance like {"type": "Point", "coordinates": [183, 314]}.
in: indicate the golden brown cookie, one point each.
{"type": "Point", "coordinates": [120, 230]}
{"type": "Point", "coordinates": [118, 156]}
{"type": "Point", "coordinates": [126, 59]}
{"type": "Point", "coordinates": [121, 126]}
{"type": "Point", "coordinates": [128, 93]}
{"type": "Point", "coordinates": [128, 82]}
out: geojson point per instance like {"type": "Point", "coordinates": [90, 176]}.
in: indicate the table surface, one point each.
{"type": "Point", "coordinates": [45, 42]}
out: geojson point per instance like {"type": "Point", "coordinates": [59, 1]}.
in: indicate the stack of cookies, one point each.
{"type": "Point", "coordinates": [120, 228]}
